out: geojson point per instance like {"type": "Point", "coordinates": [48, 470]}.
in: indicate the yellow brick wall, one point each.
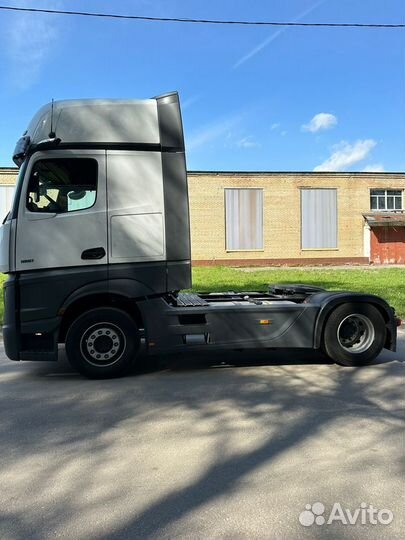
{"type": "Point", "coordinates": [282, 212]}
{"type": "Point", "coordinates": [8, 176]}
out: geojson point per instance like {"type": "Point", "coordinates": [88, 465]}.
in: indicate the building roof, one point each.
{"type": "Point", "coordinates": [385, 219]}
{"type": "Point", "coordinates": [302, 173]}
{"type": "Point", "coordinates": [8, 175]}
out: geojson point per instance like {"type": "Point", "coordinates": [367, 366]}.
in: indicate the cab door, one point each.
{"type": "Point", "coordinates": [62, 217]}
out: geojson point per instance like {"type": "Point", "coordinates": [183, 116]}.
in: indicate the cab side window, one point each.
{"type": "Point", "coordinates": [62, 185]}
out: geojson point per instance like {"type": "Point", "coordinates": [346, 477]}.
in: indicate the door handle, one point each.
{"type": "Point", "coordinates": [93, 254]}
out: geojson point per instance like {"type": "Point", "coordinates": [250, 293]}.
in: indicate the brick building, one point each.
{"type": "Point", "coordinates": [273, 218]}
{"type": "Point", "coordinates": [8, 177]}
{"type": "Point", "coordinates": [257, 218]}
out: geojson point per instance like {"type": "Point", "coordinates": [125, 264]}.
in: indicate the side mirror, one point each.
{"type": "Point", "coordinates": [76, 195]}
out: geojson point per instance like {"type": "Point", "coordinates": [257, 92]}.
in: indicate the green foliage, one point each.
{"type": "Point", "coordinates": [389, 283]}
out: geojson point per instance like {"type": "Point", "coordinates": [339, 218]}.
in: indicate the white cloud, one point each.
{"type": "Point", "coordinates": [346, 155]}
{"type": "Point", "coordinates": [274, 126]}
{"type": "Point", "coordinates": [320, 122]}
{"type": "Point", "coordinates": [247, 142]}
{"type": "Point", "coordinates": [211, 132]}
{"type": "Point", "coordinates": [274, 36]}
{"type": "Point", "coordinates": [376, 167]}
{"type": "Point", "coordinates": [29, 40]}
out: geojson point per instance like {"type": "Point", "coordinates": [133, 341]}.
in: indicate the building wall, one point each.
{"type": "Point", "coordinates": [282, 215]}
{"type": "Point", "coordinates": [8, 177]}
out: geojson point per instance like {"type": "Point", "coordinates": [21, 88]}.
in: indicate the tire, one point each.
{"type": "Point", "coordinates": [354, 334]}
{"type": "Point", "coordinates": [103, 343]}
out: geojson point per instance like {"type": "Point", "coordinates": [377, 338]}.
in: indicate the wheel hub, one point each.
{"type": "Point", "coordinates": [351, 332]}
{"type": "Point", "coordinates": [103, 344]}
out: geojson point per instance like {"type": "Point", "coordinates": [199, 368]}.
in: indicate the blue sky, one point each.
{"type": "Point", "coordinates": [254, 98]}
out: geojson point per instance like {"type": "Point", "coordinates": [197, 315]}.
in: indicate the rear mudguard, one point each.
{"type": "Point", "coordinates": [328, 301]}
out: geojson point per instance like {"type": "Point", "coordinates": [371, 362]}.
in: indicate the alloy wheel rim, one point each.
{"type": "Point", "coordinates": [103, 344]}
{"type": "Point", "coordinates": [356, 333]}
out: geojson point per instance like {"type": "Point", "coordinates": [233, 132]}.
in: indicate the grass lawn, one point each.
{"type": "Point", "coordinates": [386, 282]}
{"type": "Point", "coordinates": [389, 283]}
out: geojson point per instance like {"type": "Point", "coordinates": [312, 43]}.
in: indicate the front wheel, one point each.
{"type": "Point", "coordinates": [354, 334]}
{"type": "Point", "coordinates": [102, 343]}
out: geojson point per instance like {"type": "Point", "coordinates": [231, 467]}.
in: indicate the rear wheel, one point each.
{"type": "Point", "coordinates": [354, 334]}
{"type": "Point", "coordinates": [102, 343]}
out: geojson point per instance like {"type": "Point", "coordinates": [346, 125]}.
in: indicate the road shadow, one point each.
{"type": "Point", "coordinates": [81, 421]}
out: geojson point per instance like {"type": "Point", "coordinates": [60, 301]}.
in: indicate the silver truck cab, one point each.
{"type": "Point", "coordinates": [101, 205]}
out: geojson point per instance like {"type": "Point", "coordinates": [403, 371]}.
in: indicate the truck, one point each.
{"type": "Point", "coordinates": [97, 251]}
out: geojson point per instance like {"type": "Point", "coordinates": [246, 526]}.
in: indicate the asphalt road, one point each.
{"type": "Point", "coordinates": [199, 451]}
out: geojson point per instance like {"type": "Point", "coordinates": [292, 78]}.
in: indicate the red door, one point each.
{"type": "Point", "coordinates": [388, 245]}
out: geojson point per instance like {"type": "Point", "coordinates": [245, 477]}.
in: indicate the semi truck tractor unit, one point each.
{"type": "Point", "coordinates": [97, 251]}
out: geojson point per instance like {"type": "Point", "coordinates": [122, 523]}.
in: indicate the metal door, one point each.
{"type": "Point", "coordinates": [388, 245]}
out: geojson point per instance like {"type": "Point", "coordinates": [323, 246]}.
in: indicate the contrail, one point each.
{"type": "Point", "coordinates": [274, 36]}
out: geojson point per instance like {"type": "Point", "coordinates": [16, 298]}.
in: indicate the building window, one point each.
{"type": "Point", "coordinates": [319, 228]}
{"type": "Point", "coordinates": [244, 219]}
{"type": "Point", "coordinates": [386, 199]}
{"type": "Point", "coordinates": [62, 185]}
